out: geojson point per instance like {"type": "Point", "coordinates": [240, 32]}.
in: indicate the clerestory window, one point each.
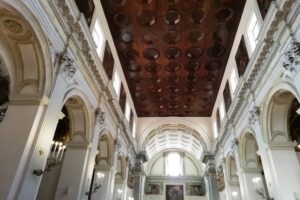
{"type": "Point", "coordinates": [174, 164]}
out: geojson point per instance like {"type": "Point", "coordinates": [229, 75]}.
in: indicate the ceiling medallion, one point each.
{"type": "Point", "coordinates": [155, 78]}
{"type": "Point", "coordinates": [126, 37]}
{"type": "Point", "coordinates": [172, 89]}
{"type": "Point", "coordinates": [155, 88]}
{"type": "Point", "coordinates": [130, 54]}
{"type": "Point", "coordinates": [171, 37]}
{"type": "Point", "coordinates": [173, 78]}
{"type": "Point", "coordinates": [190, 88]}
{"type": "Point", "coordinates": [134, 67]}
{"type": "Point", "coordinates": [216, 51]}
{"type": "Point", "coordinates": [153, 67]}
{"type": "Point", "coordinates": [172, 66]}
{"type": "Point", "coordinates": [213, 65]}
{"type": "Point", "coordinates": [221, 33]}
{"type": "Point", "coordinates": [193, 52]}
{"type": "Point", "coordinates": [146, 18]}
{"type": "Point", "coordinates": [172, 17]}
{"type": "Point", "coordinates": [121, 19]}
{"type": "Point", "coordinates": [151, 53]}
{"type": "Point", "coordinates": [224, 14]}
{"type": "Point", "coordinates": [172, 53]}
{"type": "Point", "coordinates": [192, 77]}
{"type": "Point", "coordinates": [195, 36]}
{"type": "Point", "coordinates": [145, 1]}
{"type": "Point", "coordinates": [198, 15]}
{"type": "Point", "coordinates": [192, 65]}
{"type": "Point", "coordinates": [149, 38]}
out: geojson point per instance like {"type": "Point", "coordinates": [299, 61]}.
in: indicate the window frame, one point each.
{"type": "Point", "coordinates": [99, 50]}
{"type": "Point", "coordinates": [117, 83]}
{"type": "Point", "coordinates": [252, 40]}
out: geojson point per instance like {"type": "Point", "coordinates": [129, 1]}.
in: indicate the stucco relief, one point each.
{"type": "Point", "coordinates": [292, 60]}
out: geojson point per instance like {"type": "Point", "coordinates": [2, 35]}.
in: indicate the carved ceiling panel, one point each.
{"type": "Point", "coordinates": [173, 52]}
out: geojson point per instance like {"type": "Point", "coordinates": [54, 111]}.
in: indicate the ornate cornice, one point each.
{"type": "Point", "coordinates": [77, 28]}
{"type": "Point", "coordinates": [261, 62]}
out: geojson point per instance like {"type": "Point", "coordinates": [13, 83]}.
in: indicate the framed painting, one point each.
{"type": "Point", "coordinates": [153, 188]}
{"type": "Point", "coordinates": [195, 189]}
{"type": "Point", "coordinates": [174, 192]}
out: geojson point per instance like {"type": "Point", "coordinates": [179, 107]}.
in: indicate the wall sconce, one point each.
{"type": "Point", "coordinates": [98, 180]}
{"type": "Point", "coordinates": [119, 194]}
{"type": "Point", "coordinates": [54, 158]}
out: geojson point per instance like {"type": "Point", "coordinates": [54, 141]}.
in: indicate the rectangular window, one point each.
{"type": "Point", "coordinates": [253, 31]}
{"type": "Point", "coordinates": [222, 110]}
{"type": "Point", "coordinates": [233, 80]}
{"type": "Point", "coordinates": [133, 129]}
{"type": "Point", "coordinates": [99, 39]}
{"type": "Point", "coordinates": [127, 111]}
{"type": "Point", "coordinates": [174, 164]}
{"type": "Point", "coordinates": [117, 83]}
{"type": "Point", "coordinates": [215, 129]}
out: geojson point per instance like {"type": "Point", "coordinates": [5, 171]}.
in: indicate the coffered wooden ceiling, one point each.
{"type": "Point", "coordinates": [173, 52]}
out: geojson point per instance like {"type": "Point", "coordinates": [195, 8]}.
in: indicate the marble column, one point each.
{"type": "Point", "coordinates": [103, 192]}
{"type": "Point", "coordinates": [18, 131]}
{"type": "Point", "coordinates": [99, 126]}
{"type": "Point", "coordinates": [70, 185]}
{"type": "Point", "coordinates": [210, 175]}
{"type": "Point", "coordinates": [139, 175]}
{"type": "Point", "coordinates": [286, 170]}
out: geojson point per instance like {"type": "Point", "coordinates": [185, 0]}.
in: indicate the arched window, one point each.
{"type": "Point", "coordinates": [174, 164]}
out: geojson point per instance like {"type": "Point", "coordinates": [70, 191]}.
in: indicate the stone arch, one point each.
{"type": "Point", "coordinates": [192, 158]}
{"type": "Point", "coordinates": [275, 112]}
{"type": "Point", "coordinates": [176, 122]}
{"type": "Point", "coordinates": [25, 51]}
{"type": "Point", "coordinates": [248, 151]}
{"type": "Point", "coordinates": [121, 167]}
{"type": "Point", "coordinates": [105, 156]}
{"type": "Point", "coordinates": [231, 170]}
{"type": "Point", "coordinates": [79, 111]}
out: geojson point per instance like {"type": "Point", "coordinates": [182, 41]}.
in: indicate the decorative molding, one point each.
{"type": "Point", "coordinates": [265, 50]}
{"type": "Point", "coordinates": [254, 115]}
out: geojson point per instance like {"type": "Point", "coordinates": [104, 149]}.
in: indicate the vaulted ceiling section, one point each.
{"type": "Point", "coordinates": [173, 52]}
